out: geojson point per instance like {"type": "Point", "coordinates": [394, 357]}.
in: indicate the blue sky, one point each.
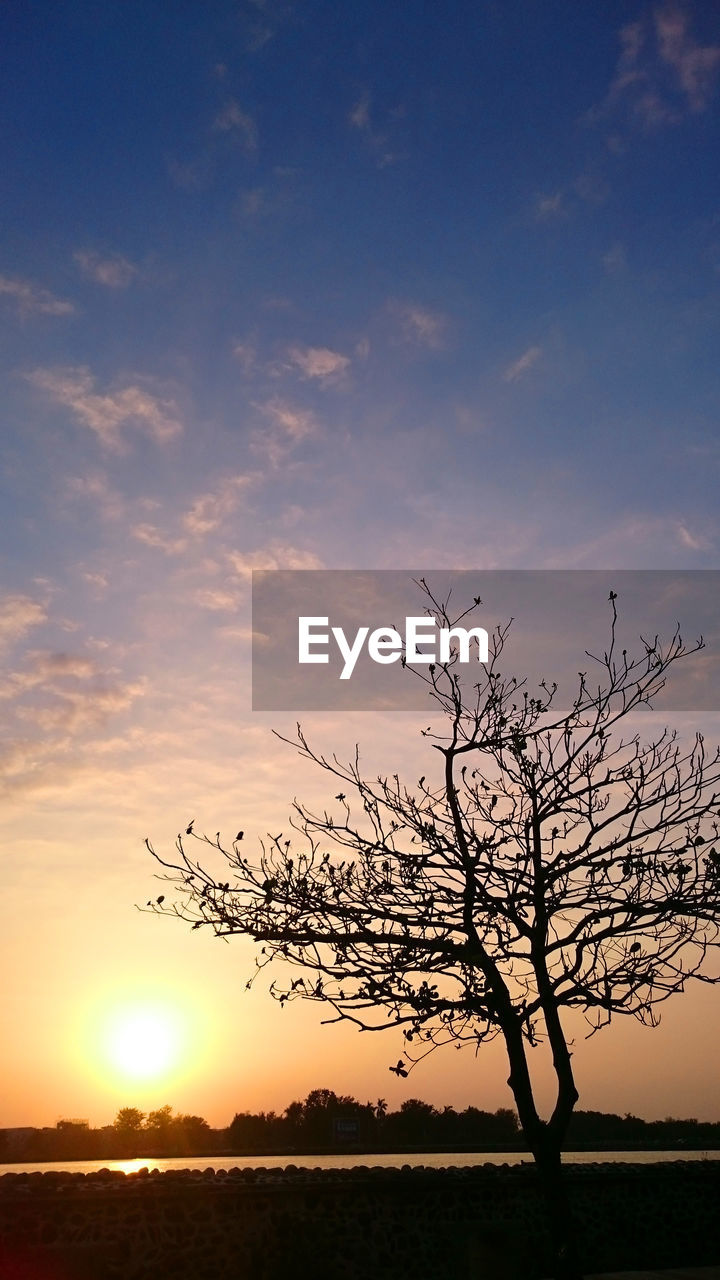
{"type": "Point", "coordinates": [315, 285]}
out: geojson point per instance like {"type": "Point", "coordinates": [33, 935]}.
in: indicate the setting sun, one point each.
{"type": "Point", "coordinates": [142, 1043]}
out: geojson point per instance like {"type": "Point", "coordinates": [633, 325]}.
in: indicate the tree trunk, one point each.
{"type": "Point", "coordinates": [563, 1234]}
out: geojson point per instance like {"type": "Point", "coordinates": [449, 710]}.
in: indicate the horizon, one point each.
{"type": "Point", "coordinates": [344, 1100]}
{"type": "Point", "coordinates": [305, 287]}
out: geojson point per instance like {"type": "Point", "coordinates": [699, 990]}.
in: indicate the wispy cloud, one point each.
{"type": "Point", "coordinates": [695, 66]}
{"type": "Point", "coordinates": [522, 365]}
{"type": "Point", "coordinates": [218, 599]}
{"type": "Point", "coordinates": [360, 115]}
{"type": "Point", "coordinates": [230, 594]}
{"type": "Point", "coordinates": [635, 540]}
{"type": "Point", "coordinates": [286, 426]}
{"type": "Point", "coordinates": [94, 488]}
{"type": "Point", "coordinates": [111, 270]}
{"type": "Point", "coordinates": [73, 710]}
{"type": "Point", "coordinates": [98, 581]}
{"type": "Point", "coordinates": [550, 206]}
{"type": "Point", "coordinates": [378, 140]}
{"type": "Point", "coordinates": [18, 615]}
{"type": "Point", "coordinates": [210, 510]}
{"type": "Point", "coordinates": [295, 423]}
{"type": "Point", "coordinates": [263, 19]}
{"type": "Point", "coordinates": [43, 667]}
{"type": "Point", "coordinates": [615, 260]}
{"type": "Point", "coordinates": [275, 556]}
{"type": "Point", "coordinates": [151, 536]}
{"type": "Point", "coordinates": [111, 413]}
{"type": "Point", "coordinates": [232, 119]}
{"type": "Point", "coordinates": [693, 541]}
{"type": "Point", "coordinates": [319, 363]}
{"type": "Point", "coordinates": [662, 72]}
{"type": "Point", "coordinates": [232, 127]}
{"type": "Point", "coordinates": [31, 300]}
{"type": "Point", "coordinates": [191, 175]}
{"type": "Point", "coordinates": [69, 693]}
{"type": "Point", "coordinates": [419, 325]}
{"type": "Point", "coordinates": [246, 355]}
{"type": "Point", "coordinates": [589, 187]}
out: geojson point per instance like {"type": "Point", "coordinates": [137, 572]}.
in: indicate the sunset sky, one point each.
{"type": "Point", "coordinates": [313, 285]}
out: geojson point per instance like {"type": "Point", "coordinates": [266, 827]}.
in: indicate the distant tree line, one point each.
{"type": "Point", "coordinates": [133, 1133]}
{"type": "Point", "coordinates": [320, 1123]}
{"type": "Point", "coordinates": [326, 1122]}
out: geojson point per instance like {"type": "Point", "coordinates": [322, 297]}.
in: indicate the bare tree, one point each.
{"type": "Point", "coordinates": [557, 862]}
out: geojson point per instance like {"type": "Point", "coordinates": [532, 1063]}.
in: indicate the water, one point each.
{"type": "Point", "coordinates": [430, 1160]}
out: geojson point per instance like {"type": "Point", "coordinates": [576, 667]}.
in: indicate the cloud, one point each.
{"type": "Point", "coordinates": [276, 556]}
{"type": "Point", "coordinates": [615, 260]}
{"type": "Point", "coordinates": [589, 187]}
{"type": "Point", "coordinates": [45, 668]}
{"type": "Point", "coordinates": [77, 709]}
{"type": "Point", "coordinates": [246, 355]}
{"type": "Point", "coordinates": [662, 72]}
{"type": "Point", "coordinates": [231, 594]}
{"type": "Point", "coordinates": [113, 271]}
{"type": "Point", "coordinates": [232, 119]}
{"type": "Point", "coordinates": [211, 509]}
{"type": "Point", "coordinates": [108, 414]}
{"type": "Point", "coordinates": [277, 303]}
{"type": "Point", "coordinates": [522, 365]}
{"type": "Point", "coordinates": [692, 541]}
{"type": "Point", "coordinates": [632, 39]}
{"type": "Point", "coordinates": [253, 201]}
{"type": "Point", "coordinates": [20, 760]}
{"type": "Point", "coordinates": [263, 19]}
{"type": "Point", "coordinates": [18, 615]}
{"type": "Point", "coordinates": [297, 424]}
{"type": "Point", "coordinates": [99, 581]}
{"type": "Point", "coordinates": [217, 600]}
{"type": "Point", "coordinates": [151, 536]}
{"type": "Point", "coordinates": [634, 540]}
{"type": "Point", "coordinates": [695, 66]}
{"type": "Point", "coordinates": [231, 126]}
{"type": "Point", "coordinates": [31, 300]}
{"type": "Point", "coordinates": [360, 115]}
{"type": "Point", "coordinates": [191, 175]}
{"type": "Point", "coordinates": [319, 363]}
{"type": "Point", "coordinates": [70, 692]}
{"type": "Point", "coordinates": [286, 427]}
{"type": "Point", "coordinates": [378, 141]}
{"type": "Point", "coordinates": [550, 206]}
{"type": "Point", "coordinates": [420, 325]}
{"type": "Point", "coordinates": [95, 488]}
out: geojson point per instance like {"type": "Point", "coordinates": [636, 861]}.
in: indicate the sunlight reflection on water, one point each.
{"type": "Point", "coordinates": [430, 1160]}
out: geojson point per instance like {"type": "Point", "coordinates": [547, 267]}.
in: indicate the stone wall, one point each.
{"type": "Point", "coordinates": [361, 1224]}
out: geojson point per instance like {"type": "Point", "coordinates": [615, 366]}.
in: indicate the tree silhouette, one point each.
{"type": "Point", "coordinates": [161, 1120]}
{"type": "Point", "coordinates": [129, 1120]}
{"type": "Point", "coordinates": [558, 862]}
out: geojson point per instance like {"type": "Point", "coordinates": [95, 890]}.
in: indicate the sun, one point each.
{"type": "Point", "coordinates": [133, 1038]}
{"type": "Point", "coordinates": [142, 1042]}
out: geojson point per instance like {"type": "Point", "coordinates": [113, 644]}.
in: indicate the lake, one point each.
{"type": "Point", "coordinates": [431, 1160]}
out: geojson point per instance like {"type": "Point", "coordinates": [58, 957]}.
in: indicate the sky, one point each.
{"type": "Point", "coordinates": [314, 285]}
